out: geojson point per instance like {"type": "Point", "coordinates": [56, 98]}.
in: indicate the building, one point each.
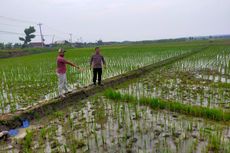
{"type": "Point", "coordinates": [61, 42]}
{"type": "Point", "coordinates": [36, 44]}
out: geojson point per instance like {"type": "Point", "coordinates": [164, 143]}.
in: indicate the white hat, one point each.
{"type": "Point", "coordinates": [61, 50]}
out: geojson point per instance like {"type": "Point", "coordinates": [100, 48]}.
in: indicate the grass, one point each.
{"type": "Point", "coordinates": [214, 144]}
{"type": "Point", "coordinates": [27, 142]}
{"type": "Point", "coordinates": [197, 111]}
{"type": "Point", "coordinates": [221, 85]}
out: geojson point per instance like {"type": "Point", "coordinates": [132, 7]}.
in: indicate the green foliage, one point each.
{"type": "Point", "coordinates": [27, 142]}
{"type": "Point", "coordinates": [43, 133]}
{"type": "Point", "coordinates": [214, 142]}
{"type": "Point", "coordinates": [198, 111]}
{"type": "Point", "coordinates": [31, 77]}
{"type": "Point", "coordinates": [58, 114]}
{"type": "Point", "coordinates": [221, 84]}
{"type": "Point", "coordinates": [118, 96]}
{"type": "Point", "coordinates": [29, 35]}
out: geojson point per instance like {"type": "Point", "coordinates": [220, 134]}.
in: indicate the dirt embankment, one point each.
{"type": "Point", "coordinates": [13, 120]}
{"type": "Point", "coordinates": [23, 52]}
{"type": "Point", "coordinates": [13, 54]}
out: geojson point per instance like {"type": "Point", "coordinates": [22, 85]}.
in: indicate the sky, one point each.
{"type": "Point", "coordinates": [113, 20]}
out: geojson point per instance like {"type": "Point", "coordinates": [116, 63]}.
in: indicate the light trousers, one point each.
{"type": "Point", "coordinates": [62, 83]}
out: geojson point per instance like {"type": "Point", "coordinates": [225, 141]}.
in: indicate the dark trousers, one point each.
{"type": "Point", "coordinates": [97, 72]}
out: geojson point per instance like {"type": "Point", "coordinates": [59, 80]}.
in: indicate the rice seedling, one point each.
{"type": "Point", "coordinates": [215, 142]}
{"type": "Point", "coordinates": [27, 142]}
{"type": "Point", "coordinates": [128, 119]}
{"type": "Point", "coordinates": [25, 80]}
{"type": "Point", "coordinates": [198, 111]}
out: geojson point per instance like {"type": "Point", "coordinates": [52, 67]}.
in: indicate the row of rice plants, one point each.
{"type": "Point", "coordinates": [101, 125]}
{"type": "Point", "coordinates": [26, 80]}
{"type": "Point", "coordinates": [189, 81]}
{"type": "Point", "coordinates": [197, 111]}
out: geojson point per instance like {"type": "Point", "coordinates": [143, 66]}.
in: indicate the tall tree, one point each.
{"type": "Point", "coordinates": [29, 35]}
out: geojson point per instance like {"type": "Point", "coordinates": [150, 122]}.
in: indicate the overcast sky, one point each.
{"type": "Point", "coordinates": [115, 20]}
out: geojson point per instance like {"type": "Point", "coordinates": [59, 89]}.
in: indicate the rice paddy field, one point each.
{"type": "Point", "coordinates": [29, 79]}
{"type": "Point", "coordinates": [183, 107]}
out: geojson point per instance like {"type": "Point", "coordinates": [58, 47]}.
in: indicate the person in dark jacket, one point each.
{"type": "Point", "coordinates": [97, 62]}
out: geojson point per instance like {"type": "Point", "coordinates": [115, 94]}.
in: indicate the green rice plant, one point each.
{"type": "Point", "coordinates": [198, 111]}
{"type": "Point", "coordinates": [73, 146]}
{"type": "Point", "coordinates": [43, 133]}
{"type": "Point", "coordinates": [27, 142]}
{"type": "Point", "coordinates": [70, 122]}
{"type": "Point", "coordinates": [58, 114]}
{"type": "Point", "coordinates": [214, 142]}
{"type": "Point", "coordinates": [65, 148]}
{"type": "Point", "coordinates": [32, 78]}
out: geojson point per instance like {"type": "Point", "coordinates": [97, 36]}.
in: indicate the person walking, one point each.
{"type": "Point", "coordinates": [96, 63]}
{"type": "Point", "coordinates": [61, 72]}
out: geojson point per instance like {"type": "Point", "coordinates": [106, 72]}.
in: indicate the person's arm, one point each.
{"type": "Point", "coordinates": [72, 64]}
{"type": "Point", "coordinates": [103, 61]}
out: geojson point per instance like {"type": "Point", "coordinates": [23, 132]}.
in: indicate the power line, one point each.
{"type": "Point", "coordinates": [33, 23]}
{"type": "Point", "coordinates": [13, 33]}
{"type": "Point", "coordinates": [16, 33]}
{"type": "Point", "coordinates": [17, 20]}
{"type": "Point", "coordinates": [5, 24]}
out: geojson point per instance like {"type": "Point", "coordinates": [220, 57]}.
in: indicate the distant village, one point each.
{"type": "Point", "coordinates": [65, 43]}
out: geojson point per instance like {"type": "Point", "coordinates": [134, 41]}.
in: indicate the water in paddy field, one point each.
{"type": "Point", "coordinates": [101, 125]}
{"type": "Point", "coordinates": [197, 80]}
{"type": "Point", "coordinates": [26, 85]}
{"type": "Point", "coordinates": [181, 87]}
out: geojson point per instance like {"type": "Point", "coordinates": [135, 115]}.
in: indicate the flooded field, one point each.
{"type": "Point", "coordinates": [203, 79]}
{"type": "Point", "coordinates": [29, 79]}
{"type": "Point", "coordinates": [101, 125]}
{"type": "Point", "coordinates": [183, 107]}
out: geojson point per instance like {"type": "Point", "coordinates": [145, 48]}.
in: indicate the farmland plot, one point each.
{"type": "Point", "coordinates": [102, 125]}
{"type": "Point", "coordinates": [202, 79]}
{"type": "Point", "coordinates": [27, 80]}
{"type": "Point", "coordinates": [182, 107]}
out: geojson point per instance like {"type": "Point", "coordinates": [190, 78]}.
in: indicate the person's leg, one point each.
{"type": "Point", "coordinates": [65, 86]}
{"type": "Point", "coordinates": [94, 76]}
{"type": "Point", "coordinates": [60, 84]}
{"type": "Point", "coordinates": [99, 75]}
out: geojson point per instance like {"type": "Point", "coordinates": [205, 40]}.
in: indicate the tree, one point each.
{"type": "Point", "coordinates": [8, 46]}
{"type": "Point", "coordinates": [29, 35]}
{"type": "Point", "coordinates": [2, 46]}
{"type": "Point", "coordinates": [17, 45]}
{"type": "Point", "coordinates": [99, 42]}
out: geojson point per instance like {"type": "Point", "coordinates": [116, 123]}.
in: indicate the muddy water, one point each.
{"type": "Point", "coordinates": [101, 125]}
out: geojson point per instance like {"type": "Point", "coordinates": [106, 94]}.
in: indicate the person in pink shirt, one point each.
{"type": "Point", "coordinates": [61, 72]}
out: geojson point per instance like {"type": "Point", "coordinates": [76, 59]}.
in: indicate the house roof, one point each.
{"type": "Point", "coordinates": [36, 43]}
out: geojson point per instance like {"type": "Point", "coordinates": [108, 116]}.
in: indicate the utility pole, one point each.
{"type": "Point", "coordinates": [42, 38]}
{"type": "Point", "coordinates": [53, 39]}
{"type": "Point", "coordinates": [70, 38]}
